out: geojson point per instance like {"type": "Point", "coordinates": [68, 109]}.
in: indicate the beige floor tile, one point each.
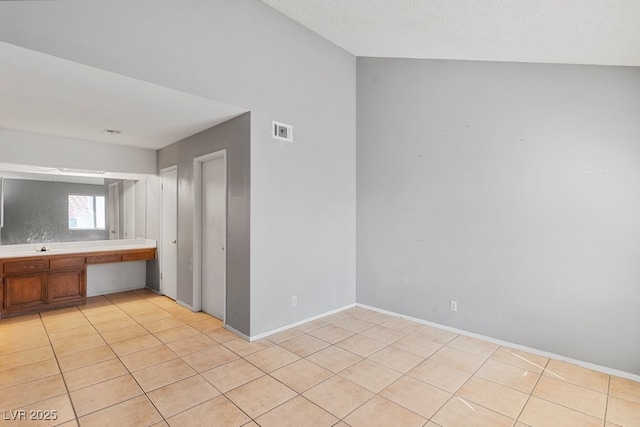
{"type": "Point", "coordinates": [86, 358]}
{"type": "Point", "coordinates": [27, 373]}
{"type": "Point", "coordinates": [520, 379]}
{"type": "Point", "coordinates": [520, 359]}
{"type": "Point", "coordinates": [370, 375]}
{"type": "Point", "coordinates": [335, 317]}
{"type": "Point", "coordinates": [361, 345]}
{"type": "Point", "coordinates": [111, 316]}
{"type": "Point", "coordinates": [331, 333]}
{"type": "Point", "coordinates": [93, 374]}
{"type": "Point", "coordinates": [260, 396]}
{"type": "Point", "coordinates": [34, 391]}
{"type": "Point", "coordinates": [21, 358]}
{"type": "Point", "coordinates": [61, 324]}
{"type": "Point", "coordinates": [216, 412]}
{"type": "Point", "coordinates": [354, 324]}
{"type": "Point", "coordinates": [304, 345]}
{"type": "Point", "coordinates": [473, 345]}
{"type": "Point", "coordinates": [210, 358]}
{"type": "Point", "coordinates": [541, 413]}
{"type": "Point", "coordinates": [209, 324]}
{"type": "Point", "coordinates": [417, 345]}
{"type": "Point", "coordinates": [182, 395]}
{"type": "Point", "coordinates": [354, 311]}
{"type": "Point", "coordinates": [192, 317]}
{"type": "Point", "coordinates": [163, 374]}
{"type": "Point", "coordinates": [434, 335]}
{"type": "Point", "coordinates": [242, 347]}
{"type": "Point", "coordinates": [403, 325]}
{"type": "Point", "coordinates": [122, 348]}
{"type": "Point", "coordinates": [298, 412]}
{"type": "Point", "coordinates": [625, 389]}
{"type": "Point", "coordinates": [73, 334]}
{"type": "Point", "coordinates": [68, 347]}
{"type": "Point", "coordinates": [458, 359]}
{"type": "Point", "coordinates": [301, 375]}
{"type": "Point", "coordinates": [177, 333]}
{"type": "Point", "coordinates": [311, 326]}
{"type": "Point", "coordinates": [383, 334]}
{"type": "Point", "coordinates": [499, 398]}
{"type": "Point", "coordinates": [99, 396]}
{"type": "Point", "coordinates": [146, 358]}
{"type": "Point", "coordinates": [123, 322]}
{"type": "Point", "coordinates": [232, 375]}
{"type": "Point", "coordinates": [122, 334]}
{"type": "Point", "coordinates": [192, 344]}
{"type": "Point", "coordinates": [596, 381]}
{"type": "Point", "coordinates": [221, 335]}
{"type": "Point", "coordinates": [283, 336]}
{"type": "Point", "coordinates": [374, 316]}
{"type": "Point", "coordinates": [444, 377]}
{"type": "Point", "coordinates": [135, 412]}
{"type": "Point", "coordinates": [419, 397]}
{"type": "Point", "coordinates": [383, 413]}
{"type": "Point", "coordinates": [457, 412]}
{"type": "Point", "coordinates": [334, 359]}
{"type": "Point", "coordinates": [272, 358]}
{"type": "Point", "coordinates": [623, 412]}
{"type": "Point", "coordinates": [150, 316]}
{"type": "Point", "coordinates": [138, 306]}
{"type": "Point", "coordinates": [338, 396]}
{"type": "Point", "coordinates": [163, 324]}
{"type": "Point", "coordinates": [394, 358]}
{"type": "Point", "coordinates": [572, 396]}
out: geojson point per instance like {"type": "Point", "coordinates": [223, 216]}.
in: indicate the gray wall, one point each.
{"type": "Point", "coordinates": [234, 136]}
{"type": "Point", "coordinates": [37, 212]}
{"type": "Point", "coordinates": [511, 188]}
{"type": "Point", "coordinates": [303, 206]}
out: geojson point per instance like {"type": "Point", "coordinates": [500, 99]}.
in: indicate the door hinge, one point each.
{"type": "Point", "coordinates": [160, 276]}
{"type": "Point", "coordinates": [162, 186]}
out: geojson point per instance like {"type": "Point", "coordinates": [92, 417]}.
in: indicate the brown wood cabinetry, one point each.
{"type": "Point", "coordinates": [34, 284]}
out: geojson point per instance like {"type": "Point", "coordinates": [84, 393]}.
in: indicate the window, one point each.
{"type": "Point", "coordinates": [86, 212]}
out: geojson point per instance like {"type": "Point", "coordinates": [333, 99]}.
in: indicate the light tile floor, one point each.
{"type": "Point", "coordinates": [138, 359]}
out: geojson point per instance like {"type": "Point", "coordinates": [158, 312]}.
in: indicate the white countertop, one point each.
{"type": "Point", "coordinates": [34, 249]}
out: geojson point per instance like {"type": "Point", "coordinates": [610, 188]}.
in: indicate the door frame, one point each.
{"type": "Point", "coordinates": [129, 212]}
{"type": "Point", "coordinates": [114, 211]}
{"type": "Point", "coordinates": [197, 227]}
{"type": "Point", "coordinates": [162, 239]}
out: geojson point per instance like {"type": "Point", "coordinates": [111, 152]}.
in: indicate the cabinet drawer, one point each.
{"type": "Point", "coordinates": [25, 266]}
{"type": "Point", "coordinates": [139, 255]}
{"type": "Point", "coordinates": [101, 259]}
{"type": "Point", "coordinates": [63, 263]}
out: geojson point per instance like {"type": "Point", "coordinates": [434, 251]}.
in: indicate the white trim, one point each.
{"type": "Point", "coordinates": [594, 367]}
{"type": "Point", "coordinates": [197, 227]}
{"type": "Point", "coordinates": [237, 332]}
{"type": "Point", "coordinates": [185, 305]}
{"type": "Point", "coordinates": [160, 245]}
{"type": "Point", "coordinates": [301, 322]}
{"type": "Point", "coordinates": [115, 291]}
{"type": "Point", "coordinates": [155, 291]}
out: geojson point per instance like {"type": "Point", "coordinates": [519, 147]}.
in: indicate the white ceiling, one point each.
{"type": "Point", "coordinates": [46, 94]}
{"type": "Point", "coordinates": [603, 32]}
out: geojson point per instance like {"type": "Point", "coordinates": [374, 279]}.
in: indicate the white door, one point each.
{"type": "Point", "coordinates": [213, 229]}
{"type": "Point", "coordinates": [129, 210]}
{"type": "Point", "coordinates": [114, 211]}
{"type": "Point", "coordinates": [169, 242]}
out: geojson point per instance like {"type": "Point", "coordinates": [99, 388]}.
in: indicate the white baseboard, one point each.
{"type": "Point", "coordinates": [581, 363]}
{"type": "Point", "coordinates": [185, 305]}
{"type": "Point", "coordinates": [302, 322]}
{"type": "Point", "coordinates": [237, 332]}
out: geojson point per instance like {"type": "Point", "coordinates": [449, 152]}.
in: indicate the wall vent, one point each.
{"type": "Point", "coordinates": [282, 131]}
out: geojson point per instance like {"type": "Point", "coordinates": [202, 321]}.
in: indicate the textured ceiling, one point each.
{"type": "Point", "coordinates": [604, 32]}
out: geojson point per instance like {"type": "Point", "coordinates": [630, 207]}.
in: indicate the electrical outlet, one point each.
{"type": "Point", "coordinates": [294, 300]}
{"type": "Point", "coordinates": [405, 280]}
{"type": "Point", "coordinates": [453, 305]}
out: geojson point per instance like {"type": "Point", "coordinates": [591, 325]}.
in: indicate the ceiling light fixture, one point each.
{"type": "Point", "coordinates": [112, 131]}
{"type": "Point", "coordinates": [74, 170]}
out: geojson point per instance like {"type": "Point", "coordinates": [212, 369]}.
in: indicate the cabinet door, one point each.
{"type": "Point", "coordinates": [24, 291]}
{"type": "Point", "coordinates": [65, 286]}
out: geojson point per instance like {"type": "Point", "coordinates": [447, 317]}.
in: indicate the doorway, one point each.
{"type": "Point", "coordinates": [129, 210]}
{"type": "Point", "coordinates": [210, 233]}
{"type": "Point", "coordinates": [169, 233]}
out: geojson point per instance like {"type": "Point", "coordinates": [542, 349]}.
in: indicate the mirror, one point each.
{"type": "Point", "coordinates": [45, 208]}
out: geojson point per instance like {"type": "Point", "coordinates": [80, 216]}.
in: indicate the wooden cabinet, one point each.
{"type": "Point", "coordinates": [34, 284]}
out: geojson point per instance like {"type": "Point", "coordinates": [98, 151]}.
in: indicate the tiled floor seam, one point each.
{"type": "Point", "coordinates": [531, 393]}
